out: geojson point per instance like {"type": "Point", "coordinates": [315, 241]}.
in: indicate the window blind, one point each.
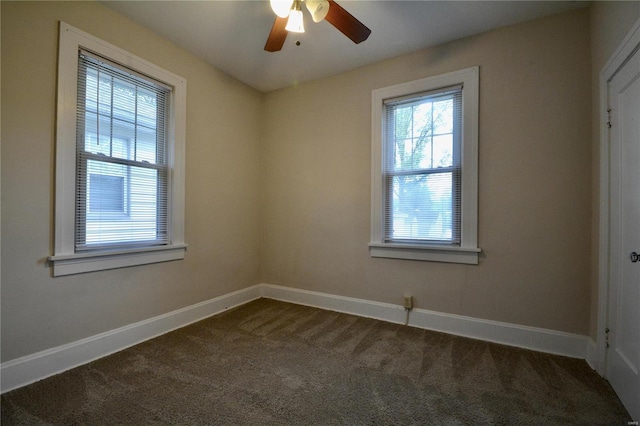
{"type": "Point", "coordinates": [422, 167]}
{"type": "Point", "coordinates": [122, 184]}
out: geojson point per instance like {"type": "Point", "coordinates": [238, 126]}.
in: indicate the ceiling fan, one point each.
{"type": "Point", "coordinates": [289, 18]}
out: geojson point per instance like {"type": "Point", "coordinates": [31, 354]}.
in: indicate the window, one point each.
{"type": "Point", "coordinates": [121, 134]}
{"type": "Point", "coordinates": [424, 169]}
{"type": "Point", "coordinates": [119, 158]}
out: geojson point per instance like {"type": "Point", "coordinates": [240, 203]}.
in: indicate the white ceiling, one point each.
{"type": "Point", "coordinates": [231, 34]}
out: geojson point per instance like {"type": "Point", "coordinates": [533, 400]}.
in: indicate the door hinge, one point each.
{"type": "Point", "coordinates": [609, 118]}
{"type": "Point", "coordinates": [606, 338]}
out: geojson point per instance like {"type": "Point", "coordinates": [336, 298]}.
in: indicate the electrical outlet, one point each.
{"type": "Point", "coordinates": [408, 302]}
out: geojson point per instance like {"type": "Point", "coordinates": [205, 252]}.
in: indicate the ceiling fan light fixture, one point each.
{"type": "Point", "coordinates": [295, 24]}
{"type": "Point", "coordinates": [281, 7]}
{"type": "Point", "coordinates": [318, 9]}
{"type": "Point", "coordinates": [328, 10]}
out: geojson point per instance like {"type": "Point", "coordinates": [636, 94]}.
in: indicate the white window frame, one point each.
{"type": "Point", "coordinates": [66, 260]}
{"type": "Point", "coordinates": [467, 251]}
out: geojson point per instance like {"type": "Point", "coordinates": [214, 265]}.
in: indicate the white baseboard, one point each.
{"type": "Point", "coordinates": [31, 368]}
{"type": "Point", "coordinates": [591, 355]}
{"type": "Point", "coordinates": [360, 307]}
{"type": "Point", "coordinates": [538, 339]}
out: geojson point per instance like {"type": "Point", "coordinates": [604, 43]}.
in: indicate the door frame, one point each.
{"type": "Point", "coordinates": [628, 47]}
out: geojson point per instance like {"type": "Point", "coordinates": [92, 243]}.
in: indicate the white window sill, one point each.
{"type": "Point", "coordinates": [424, 252]}
{"type": "Point", "coordinates": [77, 263]}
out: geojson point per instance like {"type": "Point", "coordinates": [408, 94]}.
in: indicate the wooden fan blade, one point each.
{"type": "Point", "coordinates": [346, 23]}
{"type": "Point", "coordinates": [277, 36]}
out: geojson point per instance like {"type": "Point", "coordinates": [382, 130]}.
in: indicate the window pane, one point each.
{"type": "Point", "coordinates": [413, 153]}
{"type": "Point", "coordinates": [122, 134]}
{"type": "Point", "coordinates": [107, 188]}
{"type": "Point", "coordinates": [422, 207]}
{"type": "Point", "coordinates": [124, 100]}
{"type": "Point", "coordinates": [146, 145]}
{"type": "Point", "coordinates": [91, 90]}
{"type": "Point", "coordinates": [147, 108]}
{"type": "Point", "coordinates": [127, 113]}
{"type": "Point", "coordinates": [443, 116]}
{"type": "Point", "coordinates": [443, 151]}
{"type": "Point", "coordinates": [402, 120]}
{"type": "Point", "coordinates": [132, 192]}
{"type": "Point", "coordinates": [93, 125]}
{"type": "Point", "coordinates": [422, 119]}
{"type": "Point", "coordinates": [423, 133]}
{"type": "Point", "coordinates": [106, 193]}
{"type": "Point", "coordinates": [104, 95]}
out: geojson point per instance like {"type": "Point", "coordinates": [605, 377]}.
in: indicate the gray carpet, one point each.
{"type": "Point", "coordinates": [275, 363]}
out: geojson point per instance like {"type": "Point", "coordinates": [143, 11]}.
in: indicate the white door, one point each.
{"type": "Point", "coordinates": [623, 355]}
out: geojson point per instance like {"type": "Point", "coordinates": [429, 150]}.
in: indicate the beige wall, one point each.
{"type": "Point", "coordinates": [534, 181]}
{"type": "Point", "coordinates": [222, 215]}
{"type": "Point", "coordinates": [610, 23]}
